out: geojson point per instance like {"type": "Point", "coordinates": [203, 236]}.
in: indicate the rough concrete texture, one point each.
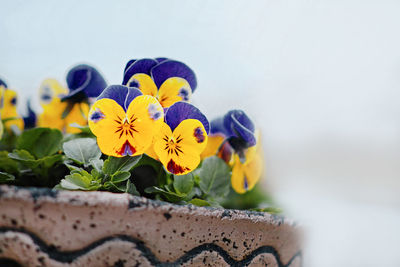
{"type": "Point", "coordinates": [43, 227]}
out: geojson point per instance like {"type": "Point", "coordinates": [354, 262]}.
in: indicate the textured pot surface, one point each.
{"type": "Point", "coordinates": [43, 227]}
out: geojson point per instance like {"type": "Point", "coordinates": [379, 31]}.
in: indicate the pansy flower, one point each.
{"type": "Point", "coordinates": [170, 81]}
{"type": "Point", "coordinates": [125, 121]}
{"type": "Point", "coordinates": [53, 109]}
{"type": "Point", "coordinates": [49, 92]}
{"type": "Point", "coordinates": [245, 175]}
{"type": "Point", "coordinates": [239, 147]}
{"type": "Point", "coordinates": [8, 108]}
{"type": "Point", "coordinates": [182, 138]}
{"type": "Point", "coordinates": [84, 82]}
{"type": "Point", "coordinates": [239, 130]}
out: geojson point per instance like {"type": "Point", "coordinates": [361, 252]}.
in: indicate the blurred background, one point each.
{"type": "Point", "coordinates": [320, 78]}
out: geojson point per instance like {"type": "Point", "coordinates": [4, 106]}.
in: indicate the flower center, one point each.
{"type": "Point", "coordinates": [126, 126]}
{"type": "Point", "coordinates": [172, 145]}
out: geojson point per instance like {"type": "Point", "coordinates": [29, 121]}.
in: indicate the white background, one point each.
{"type": "Point", "coordinates": [320, 78]}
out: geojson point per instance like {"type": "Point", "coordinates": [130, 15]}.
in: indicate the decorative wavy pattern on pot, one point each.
{"type": "Point", "coordinates": [42, 227]}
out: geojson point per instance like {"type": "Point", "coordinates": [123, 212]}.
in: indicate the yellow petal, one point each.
{"type": "Point", "coordinates": [151, 153]}
{"type": "Point", "coordinates": [51, 115]}
{"type": "Point", "coordinates": [173, 90]}
{"type": "Point", "coordinates": [161, 140]}
{"type": "Point", "coordinates": [52, 89]}
{"type": "Point", "coordinates": [238, 178]}
{"type": "Point", "coordinates": [253, 171]}
{"type": "Point", "coordinates": [119, 133]}
{"type": "Point", "coordinates": [9, 109]}
{"type": "Point", "coordinates": [105, 117]}
{"type": "Point", "coordinates": [213, 144]}
{"type": "Point", "coordinates": [78, 115]}
{"type": "Point", "coordinates": [144, 83]}
{"type": "Point", "coordinates": [180, 151]}
{"type": "Point", "coordinates": [246, 175]}
{"type": "Point", "coordinates": [147, 116]}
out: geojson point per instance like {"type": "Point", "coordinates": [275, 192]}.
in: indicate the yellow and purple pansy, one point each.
{"type": "Point", "coordinates": [84, 82]}
{"type": "Point", "coordinates": [8, 108]}
{"type": "Point", "coordinates": [245, 175]}
{"type": "Point", "coordinates": [240, 148]}
{"type": "Point", "coordinates": [125, 121]}
{"type": "Point", "coordinates": [53, 109]}
{"type": "Point", "coordinates": [238, 129]}
{"type": "Point", "coordinates": [182, 138]}
{"type": "Point", "coordinates": [49, 93]}
{"type": "Point", "coordinates": [170, 81]}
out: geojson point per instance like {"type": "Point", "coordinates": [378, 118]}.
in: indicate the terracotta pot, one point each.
{"type": "Point", "coordinates": [43, 227]}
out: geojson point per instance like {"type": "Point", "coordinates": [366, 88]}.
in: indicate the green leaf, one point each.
{"type": "Point", "coordinates": [125, 164]}
{"type": "Point", "coordinates": [49, 161]}
{"type": "Point", "coordinates": [131, 188]}
{"type": "Point", "coordinates": [214, 175]}
{"type": "Point", "coordinates": [77, 181]}
{"type": "Point", "coordinates": [96, 174]}
{"type": "Point", "coordinates": [120, 177]}
{"type": "Point", "coordinates": [7, 164]}
{"type": "Point", "coordinates": [170, 196]}
{"type": "Point", "coordinates": [199, 202]}
{"type": "Point", "coordinates": [97, 164]}
{"type": "Point", "coordinates": [71, 167]}
{"type": "Point", "coordinates": [84, 129]}
{"type": "Point", "coordinates": [124, 187]}
{"type": "Point", "coordinates": [8, 141]}
{"type": "Point", "coordinates": [80, 181]}
{"type": "Point", "coordinates": [29, 161]}
{"type": "Point", "coordinates": [183, 183]}
{"type": "Point", "coordinates": [40, 142]}
{"type": "Point", "coordinates": [66, 184]}
{"type": "Point", "coordinates": [24, 157]}
{"type": "Point", "coordinates": [6, 177]}
{"type": "Point", "coordinates": [82, 150]}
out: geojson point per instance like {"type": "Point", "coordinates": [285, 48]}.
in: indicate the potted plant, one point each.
{"type": "Point", "coordinates": [135, 177]}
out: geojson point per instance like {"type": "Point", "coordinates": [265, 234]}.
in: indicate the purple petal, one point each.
{"type": "Point", "coordinates": [161, 59]}
{"type": "Point", "coordinates": [217, 127]}
{"type": "Point", "coordinates": [139, 66]}
{"type": "Point", "coordinates": [121, 94]}
{"type": "Point", "coordinates": [130, 62]}
{"type": "Point", "coordinates": [3, 83]}
{"type": "Point", "coordinates": [238, 124]}
{"type": "Point", "coordinates": [182, 111]}
{"type": "Point", "coordinates": [31, 118]}
{"type": "Point", "coordinates": [171, 68]}
{"type": "Point", "coordinates": [132, 94]}
{"type": "Point", "coordinates": [86, 79]}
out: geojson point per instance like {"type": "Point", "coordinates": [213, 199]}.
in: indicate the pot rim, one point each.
{"type": "Point", "coordinates": [94, 198]}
